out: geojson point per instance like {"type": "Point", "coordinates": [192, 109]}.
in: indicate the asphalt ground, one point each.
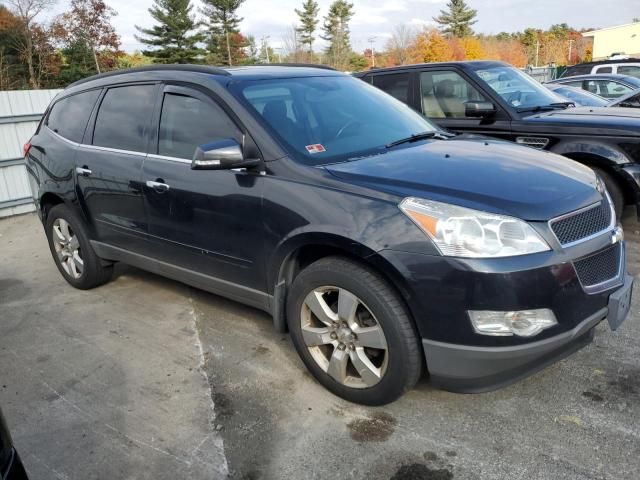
{"type": "Point", "coordinates": [147, 378]}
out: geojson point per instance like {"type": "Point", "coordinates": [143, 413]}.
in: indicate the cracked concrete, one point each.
{"type": "Point", "coordinates": [106, 383]}
{"type": "Point", "coordinates": [146, 378]}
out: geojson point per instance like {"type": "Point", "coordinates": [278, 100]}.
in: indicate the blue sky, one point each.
{"type": "Point", "coordinates": [377, 18]}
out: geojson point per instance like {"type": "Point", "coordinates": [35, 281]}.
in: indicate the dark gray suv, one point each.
{"type": "Point", "coordinates": [386, 246]}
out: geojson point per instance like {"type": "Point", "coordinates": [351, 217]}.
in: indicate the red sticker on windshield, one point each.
{"type": "Point", "coordinates": [317, 148]}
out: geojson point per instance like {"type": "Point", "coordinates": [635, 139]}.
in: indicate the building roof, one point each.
{"type": "Point", "coordinates": [591, 33]}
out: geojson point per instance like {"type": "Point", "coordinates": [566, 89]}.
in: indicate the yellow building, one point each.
{"type": "Point", "coordinates": [623, 38]}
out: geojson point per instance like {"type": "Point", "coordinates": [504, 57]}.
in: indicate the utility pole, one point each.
{"type": "Point", "coordinates": [570, 45]}
{"type": "Point", "coordinates": [373, 53]}
{"type": "Point", "coordinates": [265, 46]}
{"type": "Point", "coordinates": [537, 51]}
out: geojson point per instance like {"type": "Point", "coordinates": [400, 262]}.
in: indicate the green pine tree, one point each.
{"type": "Point", "coordinates": [336, 32]}
{"type": "Point", "coordinates": [174, 39]}
{"type": "Point", "coordinates": [457, 21]}
{"type": "Point", "coordinates": [224, 43]}
{"type": "Point", "coordinates": [308, 22]}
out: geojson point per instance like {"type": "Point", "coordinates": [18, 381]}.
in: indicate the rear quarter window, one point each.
{"type": "Point", "coordinates": [395, 84]}
{"type": "Point", "coordinates": [69, 116]}
{"type": "Point", "coordinates": [124, 117]}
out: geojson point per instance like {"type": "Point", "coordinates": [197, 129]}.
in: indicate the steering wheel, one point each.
{"type": "Point", "coordinates": [348, 123]}
{"type": "Point", "coordinates": [514, 97]}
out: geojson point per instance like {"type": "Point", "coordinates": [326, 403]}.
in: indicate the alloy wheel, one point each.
{"type": "Point", "coordinates": [344, 337]}
{"type": "Point", "coordinates": [67, 248]}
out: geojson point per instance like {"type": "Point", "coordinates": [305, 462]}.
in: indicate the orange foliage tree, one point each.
{"type": "Point", "coordinates": [429, 46]}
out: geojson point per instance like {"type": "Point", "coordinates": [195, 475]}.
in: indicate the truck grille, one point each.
{"type": "Point", "coordinates": [583, 223]}
{"type": "Point", "coordinates": [600, 266]}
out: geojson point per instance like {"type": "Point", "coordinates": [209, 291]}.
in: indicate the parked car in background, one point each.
{"type": "Point", "coordinates": [11, 467]}
{"type": "Point", "coordinates": [493, 98]}
{"type": "Point", "coordinates": [607, 86]}
{"type": "Point", "coordinates": [581, 98]}
{"type": "Point", "coordinates": [628, 66]}
{"type": "Point", "coordinates": [386, 246]}
{"type": "Point", "coordinates": [630, 100]}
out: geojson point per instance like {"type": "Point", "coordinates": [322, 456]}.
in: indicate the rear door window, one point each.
{"type": "Point", "coordinates": [69, 116]}
{"type": "Point", "coordinates": [604, 70]}
{"type": "Point", "coordinates": [187, 122]}
{"type": "Point", "coordinates": [395, 84]}
{"type": "Point", "coordinates": [633, 70]}
{"type": "Point", "coordinates": [123, 119]}
{"type": "Point", "coordinates": [607, 88]}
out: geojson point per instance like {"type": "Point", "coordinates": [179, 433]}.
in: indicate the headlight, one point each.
{"type": "Point", "coordinates": [463, 232]}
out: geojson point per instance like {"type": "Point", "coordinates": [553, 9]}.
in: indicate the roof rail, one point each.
{"type": "Point", "coordinates": [308, 65]}
{"type": "Point", "coordinates": [154, 68]}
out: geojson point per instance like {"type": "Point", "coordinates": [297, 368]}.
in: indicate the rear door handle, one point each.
{"type": "Point", "coordinates": [84, 171]}
{"type": "Point", "coordinates": [158, 186]}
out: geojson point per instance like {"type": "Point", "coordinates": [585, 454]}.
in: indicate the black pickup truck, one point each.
{"type": "Point", "coordinates": [496, 99]}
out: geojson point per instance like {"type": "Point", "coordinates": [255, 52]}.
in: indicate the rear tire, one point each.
{"type": "Point", "coordinates": [615, 192]}
{"type": "Point", "coordinates": [72, 251]}
{"type": "Point", "coordinates": [374, 355]}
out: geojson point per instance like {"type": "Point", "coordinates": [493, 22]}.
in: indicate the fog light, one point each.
{"type": "Point", "coordinates": [524, 323]}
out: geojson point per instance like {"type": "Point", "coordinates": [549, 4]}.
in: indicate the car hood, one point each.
{"type": "Point", "coordinates": [484, 174]}
{"type": "Point", "coordinates": [614, 121]}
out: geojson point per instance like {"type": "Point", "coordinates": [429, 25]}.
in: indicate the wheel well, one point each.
{"type": "Point", "coordinates": [48, 201]}
{"type": "Point", "coordinates": [592, 161]}
{"type": "Point", "coordinates": [305, 256]}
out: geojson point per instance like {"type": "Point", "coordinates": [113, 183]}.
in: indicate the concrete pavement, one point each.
{"type": "Point", "coordinates": [103, 383]}
{"type": "Point", "coordinates": [106, 384]}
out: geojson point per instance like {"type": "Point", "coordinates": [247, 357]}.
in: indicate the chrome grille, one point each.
{"type": "Point", "coordinates": [600, 266]}
{"type": "Point", "coordinates": [584, 223]}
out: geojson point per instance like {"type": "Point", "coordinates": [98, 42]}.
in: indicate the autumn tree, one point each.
{"type": "Point", "coordinates": [336, 33]}
{"type": "Point", "coordinates": [89, 21]}
{"type": "Point", "coordinates": [174, 39]}
{"type": "Point", "coordinates": [472, 48]}
{"type": "Point", "coordinates": [26, 11]}
{"type": "Point", "coordinates": [430, 46]}
{"type": "Point", "coordinates": [308, 23]}
{"type": "Point", "coordinates": [224, 43]}
{"type": "Point", "coordinates": [456, 21]}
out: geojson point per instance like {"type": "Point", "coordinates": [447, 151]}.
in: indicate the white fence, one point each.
{"type": "Point", "coordinates": [20, 111]}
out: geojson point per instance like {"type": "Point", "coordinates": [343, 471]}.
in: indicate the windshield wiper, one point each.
{"type": "Point", "coordinates": [551, 106]}
{"type": "Point", "coordinates": [418, 136]}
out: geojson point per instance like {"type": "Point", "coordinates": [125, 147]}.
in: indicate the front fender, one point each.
{"type": "Point", "coordinates": [594, 152]}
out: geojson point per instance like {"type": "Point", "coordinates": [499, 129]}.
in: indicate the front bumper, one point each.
{"type": "Point", "coordinates": [469, 369]}
{"type": "Point", "coordinates": [440, 291]}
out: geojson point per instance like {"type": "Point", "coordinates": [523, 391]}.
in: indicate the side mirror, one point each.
{"type": "Point", "coordinates": [221, 155]}
{"type": "Point", "coordinates": [479, 109]}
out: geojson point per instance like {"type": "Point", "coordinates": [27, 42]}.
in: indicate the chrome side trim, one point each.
{"type": "Point", "coordinates": [171, 159]}
{"type": "Point", "coordinates": [111, 150]}
{"type": "Point", "coordinates": [616, 281]}
{"type": "Point", "coordinates": [611, 226]}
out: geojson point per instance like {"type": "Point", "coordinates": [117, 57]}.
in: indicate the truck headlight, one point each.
{"type": "Point", "coordinates": [524, 323]}
{"type": "Point", "coordinates": [463, 232]}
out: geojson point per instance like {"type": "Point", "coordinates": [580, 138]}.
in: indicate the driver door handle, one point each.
{"type": "Point", "coordinates": [84, 171]}
{"type": "Point", "coordinates": [159, 187]}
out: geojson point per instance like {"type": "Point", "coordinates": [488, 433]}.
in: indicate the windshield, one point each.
{"type": "Point", "coordinates": [517, 88]}
{"type": "Point", "coordinates": [330, 119]}
{"type": "Point", "coordinates": [579, 97]}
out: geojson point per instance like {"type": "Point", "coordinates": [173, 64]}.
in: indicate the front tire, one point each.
{"type": "Point", "coordinates": [353, 332]}
{"type": "Point", "coordinates": [615, 192]}
{"type": "Point", "coordinates": [72, 251]}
